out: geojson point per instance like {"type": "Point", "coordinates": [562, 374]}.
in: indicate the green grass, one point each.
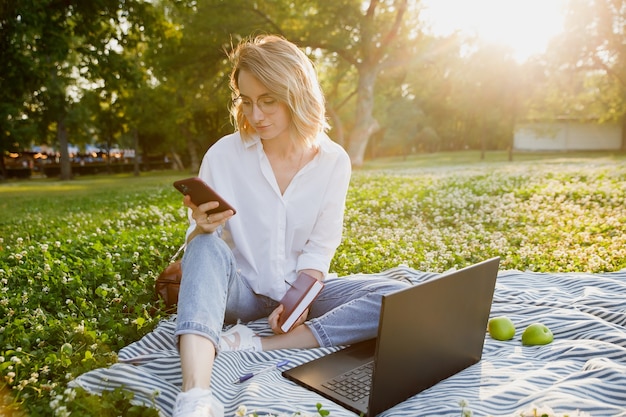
{"type": "Point", "coordinates": [456, 160]}
{"type": "Point", "coordinates": [78, 259]}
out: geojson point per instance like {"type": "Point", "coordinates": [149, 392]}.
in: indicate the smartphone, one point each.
{"type": "Point", "coordinates": [200, 193]}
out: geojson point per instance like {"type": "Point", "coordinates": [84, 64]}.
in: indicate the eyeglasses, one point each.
{"type": "Point", "coordinates": [267, 104]}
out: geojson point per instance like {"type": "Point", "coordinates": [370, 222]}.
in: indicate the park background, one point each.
{"type": "Point", "coordinates": [428, 120]}
{"type": "Point", "coordinates": [147, 81]}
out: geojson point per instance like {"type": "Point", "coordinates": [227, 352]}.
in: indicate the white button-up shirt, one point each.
{"type": "Point", "coordinates": [274, 235]}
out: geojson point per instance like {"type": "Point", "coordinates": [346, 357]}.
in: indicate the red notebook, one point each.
{"type": "Point", "coordinates": [298, 298]}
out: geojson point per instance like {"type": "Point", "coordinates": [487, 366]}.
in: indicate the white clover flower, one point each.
{"type": "Point", "coordinates": [54, 404]}
{"type": "Point", "coordinates": [70, 394]}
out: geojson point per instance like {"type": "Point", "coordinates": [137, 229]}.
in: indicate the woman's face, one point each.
{"type": "Point", "coordinates": [271, 120]}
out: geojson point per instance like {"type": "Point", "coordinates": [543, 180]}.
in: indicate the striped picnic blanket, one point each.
{"type": "Point", "coordinates": [583, 369]}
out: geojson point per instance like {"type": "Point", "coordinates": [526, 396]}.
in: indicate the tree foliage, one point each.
{"type": "Point", "coordinates": [153, 75]}
{"type": "Point", "coordinates": [585, 68]}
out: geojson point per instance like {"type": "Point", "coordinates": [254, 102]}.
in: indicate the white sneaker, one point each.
{"type": "Point", "coordinates": [197, 402]}
{"type": "Point", "coordinates": [240, 338]}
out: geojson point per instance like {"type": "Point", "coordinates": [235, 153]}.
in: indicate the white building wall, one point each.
{"type": "Point", "coordinates": [567, 136]}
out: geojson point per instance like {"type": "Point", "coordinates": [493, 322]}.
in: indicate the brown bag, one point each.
{"type": "Point", "coordinates": [168, 283]}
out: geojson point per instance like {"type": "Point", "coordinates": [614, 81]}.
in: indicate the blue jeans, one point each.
{"type": "Point", "coordinates": [212, 293]}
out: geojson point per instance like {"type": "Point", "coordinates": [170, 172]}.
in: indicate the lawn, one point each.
{"type": "Point", "coordinates": [78, 259]}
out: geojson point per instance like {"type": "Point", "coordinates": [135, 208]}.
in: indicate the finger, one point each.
{"type": "Point", "coordinates": [200, 217]}
{"type": "Point", "coordinates": [208, 206]}
{"type": "Point", "coordinates": [222, 216]}
{"type": "Point", "coordinates": [273, 320]}
{"type": "Point", "coordinates": [302, 318]}
{"type": "Point", "coordinates": [273, 317]}
{"type": "Point", "coordinates": [187, 201]}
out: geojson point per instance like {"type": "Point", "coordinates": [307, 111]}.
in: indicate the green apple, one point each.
{"type": "Point", "coordinates": [537, 334]}
{"type": "Point", "coordinates": [501, 328]}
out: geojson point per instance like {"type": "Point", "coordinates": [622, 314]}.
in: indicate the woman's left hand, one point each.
{"type": "Point", "coordinates": [275, 315]}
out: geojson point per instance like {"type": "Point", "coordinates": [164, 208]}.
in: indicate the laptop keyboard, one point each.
{"type": "Point", "coordinates": [354, 384]}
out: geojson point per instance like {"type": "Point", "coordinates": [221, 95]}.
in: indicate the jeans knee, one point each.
{"type": "Point", "coordinates": [391, 286]}
{"type": "Point", "coordinates": [208, 252]}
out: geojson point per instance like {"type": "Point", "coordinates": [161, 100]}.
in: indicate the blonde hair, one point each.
{"type": "Point", "coordinates": [289, 75]}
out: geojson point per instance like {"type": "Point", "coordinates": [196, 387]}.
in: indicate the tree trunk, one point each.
{"type": "Point", "coordinates": [136, 169]}
{"type": "Point", "coordinates": [65, 163]}
{"type": "Point", "coordinates": [483, 139]}
{"type": "Point", "coordinates": [177, 161]}
{"type": "Point", "coordinates": [194, 159]}
{"type": "Point", "coordinates": [337, 132]}
{"type": "Point", "coordinates": [624, 133]}
{"type": "Point", "coordinates": [512, 140]}
{"type": "Point", "coordinates": [365, 124]}
{"type": "Point", "coordinates": [3, 168]}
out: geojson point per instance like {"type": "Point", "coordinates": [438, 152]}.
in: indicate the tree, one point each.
{"type": "Point", "coordinates": [369, 37]}
{"type": "Point", "coordinates": [594, 44]}
{"type": "Point", "coordinates": [64, 43]}
{"type": "Point", "coordinates": [189, 61]}
{"type": "Point", "coordinates": [20, 23]}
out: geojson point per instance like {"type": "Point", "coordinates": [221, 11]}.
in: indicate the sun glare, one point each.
{"type": "Point", "coordinates": [525, 26]}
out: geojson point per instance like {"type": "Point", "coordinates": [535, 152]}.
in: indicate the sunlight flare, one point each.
{"type": "Point", "coordinates": [524, 26]}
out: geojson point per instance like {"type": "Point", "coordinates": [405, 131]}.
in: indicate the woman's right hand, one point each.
{"type": "Point", "coordinates": [206, 223]}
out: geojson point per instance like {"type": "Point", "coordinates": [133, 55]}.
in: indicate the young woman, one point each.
{"type": "Point", "coordinates": [288, 182]}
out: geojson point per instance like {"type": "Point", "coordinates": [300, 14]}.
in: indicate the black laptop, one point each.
{"type": "Point", "coordinates": [427, 333]}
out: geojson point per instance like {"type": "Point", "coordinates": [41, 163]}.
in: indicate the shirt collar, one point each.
{"type": "Point", "coordinates": [254, 140]}
{"type": "Point", "coordinates": [323, 141]}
